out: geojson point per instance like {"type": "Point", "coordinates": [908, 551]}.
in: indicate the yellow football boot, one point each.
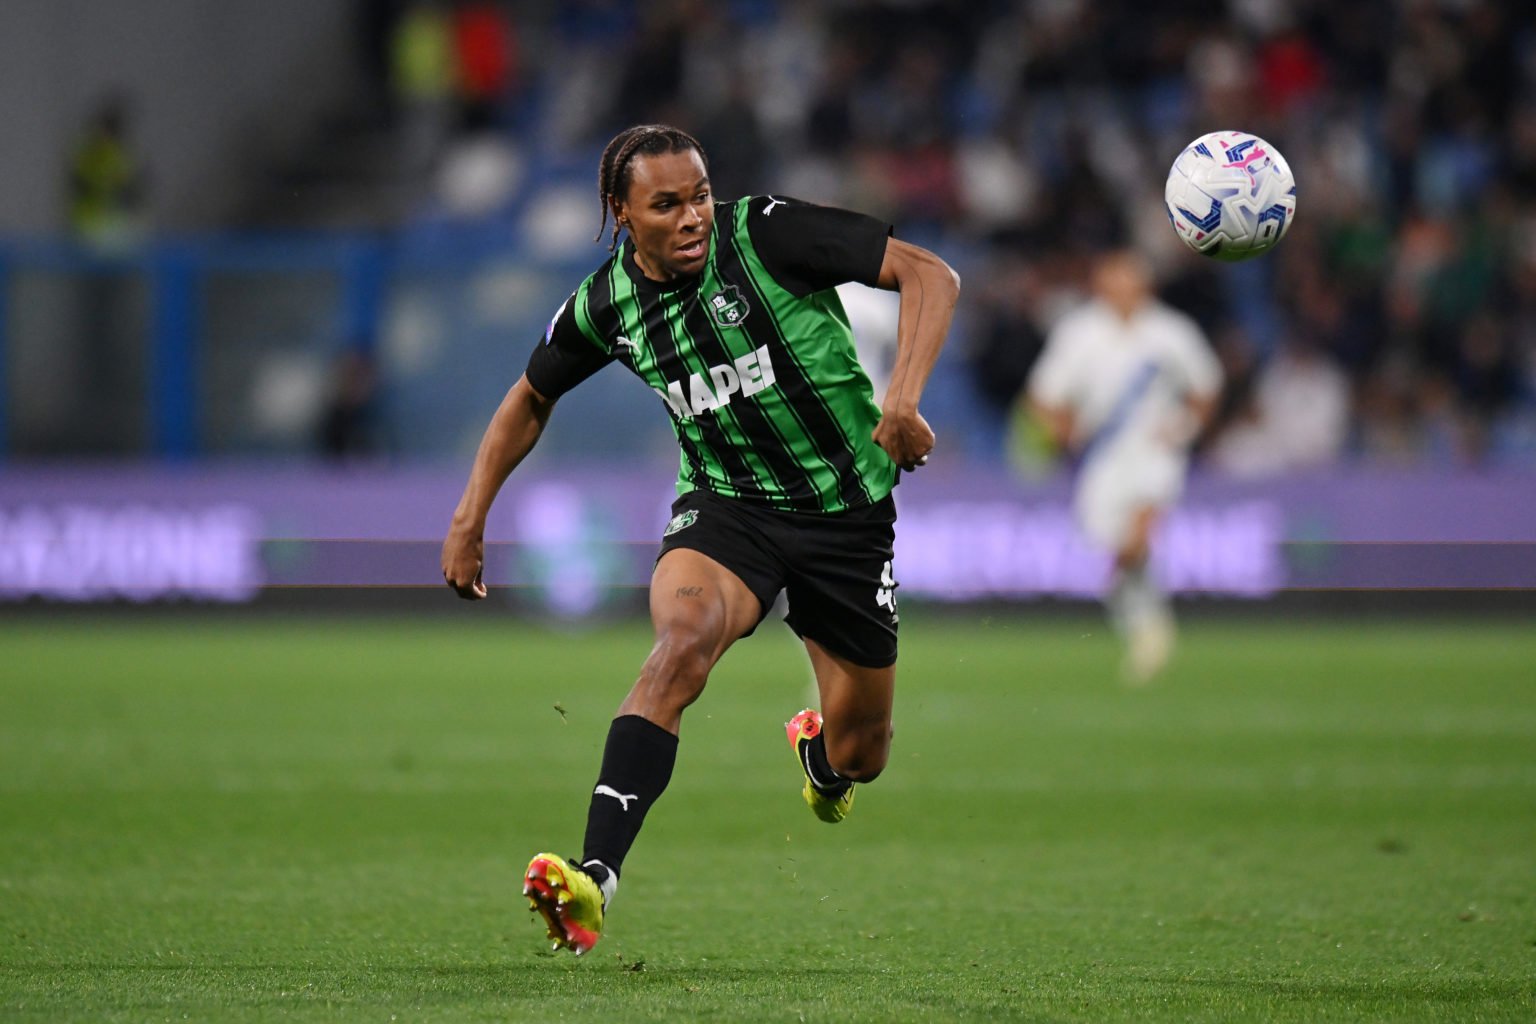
{"type": "Point", "coordinates": [830, 806]}
{"type": "Point", "coordinates": [569, 899]}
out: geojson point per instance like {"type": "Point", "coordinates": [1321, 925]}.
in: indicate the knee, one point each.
{"type": "Point", "coordinates": [1133, 555]}
{"type": "Point", "coordinates": [679, 663]}
{"type": "Point", "coordinates": [859, 753]}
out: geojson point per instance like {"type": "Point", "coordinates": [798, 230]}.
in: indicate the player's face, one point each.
{"type": "Point", "coordinates": [1123, 281]}
{"type": "Point", "coordinates": [669, 213]}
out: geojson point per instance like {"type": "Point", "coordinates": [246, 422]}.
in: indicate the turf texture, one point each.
{"type": "Point", "coordinates": [220, 818]}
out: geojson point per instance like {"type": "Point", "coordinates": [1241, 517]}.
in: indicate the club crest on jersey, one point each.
{"type": "Point", "coordinates": [681, 521]}
{"type": "Point", "coordinates": [728, 307]}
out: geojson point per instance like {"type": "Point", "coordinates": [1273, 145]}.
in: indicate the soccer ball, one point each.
{"type": "Point", "coordinates": [1230, 196]}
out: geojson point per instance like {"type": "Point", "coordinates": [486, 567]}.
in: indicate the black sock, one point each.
{"type": "Point", "coordinates": [637, 765]}
{"type": "Point", "coordinates": [823, 777]}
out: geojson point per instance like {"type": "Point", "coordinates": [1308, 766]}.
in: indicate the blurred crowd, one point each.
{"type": "Point", "coordinates": [1396, 323]}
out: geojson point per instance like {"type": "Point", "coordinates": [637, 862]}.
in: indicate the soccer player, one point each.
{"type": "Point", "coordinates": [728, 312]}
{"type": "Point", "coordinates": [1127, 383]}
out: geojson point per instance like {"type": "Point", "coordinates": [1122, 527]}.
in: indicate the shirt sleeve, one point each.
{"type": "Point", "coordinates": [565, 356]}
{"type": "Point", "coordinates": [809, 248]}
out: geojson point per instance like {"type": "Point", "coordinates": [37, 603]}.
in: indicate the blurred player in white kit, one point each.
{"type": "Point", "coordinates": [1127, 382]}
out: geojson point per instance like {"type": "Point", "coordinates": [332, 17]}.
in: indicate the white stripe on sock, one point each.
{"type": "Point", "coordinates": [609, 884]}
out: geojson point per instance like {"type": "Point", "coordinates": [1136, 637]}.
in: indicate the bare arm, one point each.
{"type": "Point", "coordinates": [929, 290]}
{"type": "Point", "coordinates": [511, 435]}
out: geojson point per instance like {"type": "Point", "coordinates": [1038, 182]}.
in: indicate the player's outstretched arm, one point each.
{"type": "Point", "coordinates": [511, 435]}
{"type": "Point", "coordinates": [929, 290]}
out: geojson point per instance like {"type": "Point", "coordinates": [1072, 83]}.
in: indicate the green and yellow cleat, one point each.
{"type": "Point", "coordinates": [569, 899]}
{"type": "Point", "coordinates": [829, 806]}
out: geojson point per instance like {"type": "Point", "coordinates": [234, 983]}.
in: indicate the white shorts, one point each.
{"type": "Point", "coordinates": [1114, 487]}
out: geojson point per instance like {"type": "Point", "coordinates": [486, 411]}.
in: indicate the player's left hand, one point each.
{"type": "Point", "coordinates": [905, 436]}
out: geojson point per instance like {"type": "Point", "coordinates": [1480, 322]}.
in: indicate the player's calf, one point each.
{"type": "Point", "coordinates": [858, 751]}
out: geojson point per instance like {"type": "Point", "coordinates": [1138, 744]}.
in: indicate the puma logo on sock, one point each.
{"type": "Point", "coordinates": [606, 790]}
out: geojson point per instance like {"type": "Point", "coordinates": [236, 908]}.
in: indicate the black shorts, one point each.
{"type": "Point", "coordinates": [834, 568]}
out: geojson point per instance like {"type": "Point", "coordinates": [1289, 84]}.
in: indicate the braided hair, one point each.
{"type": "Point", "coordinates": [613, 172]}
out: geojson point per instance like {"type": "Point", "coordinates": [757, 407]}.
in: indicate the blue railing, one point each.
{"type": "Point", "coordinates": [174, 273]}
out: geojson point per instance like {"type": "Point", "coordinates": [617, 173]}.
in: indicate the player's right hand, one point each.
{"type": "Point", "coordinates": [464, 564]}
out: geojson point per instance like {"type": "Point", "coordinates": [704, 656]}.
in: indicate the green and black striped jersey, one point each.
{"type": "Point", "coordinates": [752, 358]}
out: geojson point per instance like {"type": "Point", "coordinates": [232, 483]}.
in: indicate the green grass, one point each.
{"type": "Point", "coordinates": [222, 819]}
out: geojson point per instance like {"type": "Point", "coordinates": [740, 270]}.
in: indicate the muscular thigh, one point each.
{"type": "Point", "coordinates": [698, 609]}
{"type": "Point", "coordinates": [1114, 490]}
{"type": "Point", "coordinates": [690, 590]}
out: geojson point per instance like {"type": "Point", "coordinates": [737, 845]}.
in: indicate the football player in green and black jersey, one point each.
{"type": "Point", "coordinates": [728, 312]}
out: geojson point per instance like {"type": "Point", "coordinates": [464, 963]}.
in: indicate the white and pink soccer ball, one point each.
{"type": "Point", "coordinates": [1230, 196]}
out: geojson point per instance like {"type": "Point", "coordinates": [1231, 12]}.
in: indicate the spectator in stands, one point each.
{"type": "Point", "coordinates": [106, 180]}
{"type": "Point", "coordinates": [349, 427]}
{"type": "Point", "coordinates": [1298, 417]}
{"type": "Point", "coordinates": [486, 59]}
{"type": "Point", "coordinates": [423, 72]}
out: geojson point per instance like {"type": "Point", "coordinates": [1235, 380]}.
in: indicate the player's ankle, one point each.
{"type": "Point", "coordinates": [606, 878]}
{"type": "Point", "coordinates": [824, 778]}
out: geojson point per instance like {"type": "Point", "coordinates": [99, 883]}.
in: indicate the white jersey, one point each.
{"type": "Point", "coordinates": [1126, 383]}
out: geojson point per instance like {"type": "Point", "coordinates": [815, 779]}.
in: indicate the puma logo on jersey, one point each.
{"type": "Point", "coordinates": [745, 376]}
{"type": "Point", "coordinates": [622, 798]}
{"type": "Point", "coordinates": [772, 202]}
{"type": "Point", "coordinates": [623, 342]}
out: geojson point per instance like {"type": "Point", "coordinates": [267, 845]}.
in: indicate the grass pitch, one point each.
{"type": "Point", "coordinates": [226, 819]}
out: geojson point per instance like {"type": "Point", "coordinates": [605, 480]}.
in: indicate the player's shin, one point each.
{"type": "Point", "coordinates": [1143, 617]}
{"type": "Point", "coordinates": [637, 765]}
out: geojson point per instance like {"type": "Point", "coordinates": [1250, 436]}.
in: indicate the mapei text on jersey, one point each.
{"type": "Point", "coordinates": [746, 375]}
